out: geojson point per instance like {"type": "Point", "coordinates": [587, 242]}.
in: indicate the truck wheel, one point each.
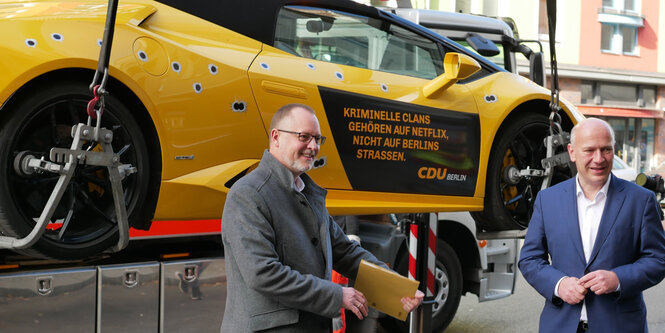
{"type": "Point", "coordinates": [84, 221]}
{"type": "Point", "coordinates": [509, 203]}
{"type": "Point", "coordinates": [447, 290]}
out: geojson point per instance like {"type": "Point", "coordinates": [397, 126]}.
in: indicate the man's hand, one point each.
{"type": "Point", "coordinates": [355, 301]}
{"type": "Point", "coordinates": [411, 303]}
{"type": "Point", "coordinates": [600, 282]}
{"type": "Point", "coordinates": [570, 291]}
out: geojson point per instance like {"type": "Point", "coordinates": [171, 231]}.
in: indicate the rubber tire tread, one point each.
{"type": "Point", "coordinates": [445, 256]}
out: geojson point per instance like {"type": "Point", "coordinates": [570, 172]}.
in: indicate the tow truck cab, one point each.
{"type": "Point", "coordinates": [496, 39]}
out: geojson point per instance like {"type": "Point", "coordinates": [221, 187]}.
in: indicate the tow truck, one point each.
{"type": "Point", "coordinates": [173, 279]}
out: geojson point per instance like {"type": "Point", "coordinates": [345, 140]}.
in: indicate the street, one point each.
{"type": "Point", "coordinates": [520, 312]}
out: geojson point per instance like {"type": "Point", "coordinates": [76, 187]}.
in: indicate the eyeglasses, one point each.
{"type": "Point", "coordinates": [306, 137]}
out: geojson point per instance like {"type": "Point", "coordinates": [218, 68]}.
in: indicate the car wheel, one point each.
{"type": "Point", "coordinates": [447, 290]}
{"type": "Point", "coordinates": [84, 221]}
{"type": "Point", "coordinates": [509, 202]}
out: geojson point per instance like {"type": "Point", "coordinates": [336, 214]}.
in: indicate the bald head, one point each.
{"type": "Point", "coordinates": [588, 124]}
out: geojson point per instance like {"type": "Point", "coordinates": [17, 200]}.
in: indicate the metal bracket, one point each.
{"type": "Point", "coordinates": [70, 158]}
{"type": "Point", "coordinates": [512, 174]}
{"type": "Point", "coordinates": [561, 139]}
{"type": "Point", "coordinates": [556, 160]}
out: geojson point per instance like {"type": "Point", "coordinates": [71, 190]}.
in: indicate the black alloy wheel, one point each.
{"type": "Point", "coordinates": [509, 200]}
{"type": "Point", "coordinates": [84, 223]}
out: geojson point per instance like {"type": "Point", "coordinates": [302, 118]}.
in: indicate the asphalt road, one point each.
{"type": "Point", "coordinates": [520, 312]}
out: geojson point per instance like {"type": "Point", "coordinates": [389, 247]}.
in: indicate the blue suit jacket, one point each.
{"type": "Point", "coordinates": [630, 242]}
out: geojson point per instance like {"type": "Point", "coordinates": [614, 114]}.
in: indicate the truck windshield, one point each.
{"type": "Point", "coordinates": [497, 59]}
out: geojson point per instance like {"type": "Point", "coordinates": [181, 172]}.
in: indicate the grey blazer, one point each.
{"type": "Point", "coordinates": [280, 247]}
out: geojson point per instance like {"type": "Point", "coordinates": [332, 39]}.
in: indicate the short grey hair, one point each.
{"type": "Point", "coordinates": [284, 111]}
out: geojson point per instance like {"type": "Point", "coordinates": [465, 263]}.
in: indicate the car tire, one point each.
{"type": "Point", "coordinates": [519, 145]}
{"type": "Point", "coordinates": [34, 122]}
{"type": "Point", "coordinates": [448, 283]}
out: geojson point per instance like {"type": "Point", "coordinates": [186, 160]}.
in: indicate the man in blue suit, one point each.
{"type": "Point", "coordinates": [594, 243]}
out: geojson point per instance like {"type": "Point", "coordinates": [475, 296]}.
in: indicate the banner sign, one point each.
{"type": "Point", "coordinates": [391, 146]}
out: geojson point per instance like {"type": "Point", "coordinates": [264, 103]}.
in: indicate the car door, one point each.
{"type": "Point", "coordinates": [364, 77]}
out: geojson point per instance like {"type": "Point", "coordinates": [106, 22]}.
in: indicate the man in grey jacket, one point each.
{"type": "Point", "coordinates": [281, 244]}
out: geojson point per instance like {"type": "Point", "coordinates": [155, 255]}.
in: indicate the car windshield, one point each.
{"type": "Point", "coordinates": [618, 163]}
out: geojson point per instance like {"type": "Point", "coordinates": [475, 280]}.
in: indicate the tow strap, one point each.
{"type": "Point", "coordinates": [558, 139]}
{"type": "Point", "coordinates": [555, 117]}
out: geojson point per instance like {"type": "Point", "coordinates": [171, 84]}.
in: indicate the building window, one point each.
{"type": "Point", "coordinates": [621, 5]}
{"type": "Point", "coordinates": [647, 96]}
{"type": "Point", "coordinates": [618, 94]}
{"type": "Point", "coordinates": [629, 39]}
{"type": "Point", "coordinates": [616, 38]}
{"type": "Point", "coordinates": [606, 34]}
{"type": "Point", "coordinates": [543, 24]}
{"type": "Point", "coordinates": [620, 21]}
{"type": "Point", "coordinates": [635, 141]}
{"type": "Point", "coordinates": [586, 90]}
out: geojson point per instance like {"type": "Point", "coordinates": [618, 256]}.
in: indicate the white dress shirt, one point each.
{"type": "Point", "coordinates": [299, 185]}
{"type": "Point", "coordinates": [589, 213]}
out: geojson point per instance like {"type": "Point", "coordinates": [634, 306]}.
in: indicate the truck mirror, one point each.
{"type": "Point", "coordinates": [537, 68]}
{"type": "Point", "coordinates": [482, 45]}
{"type": "Point", "coordinates": [456, 66]}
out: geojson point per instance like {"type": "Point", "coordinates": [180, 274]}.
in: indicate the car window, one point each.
{"type": "Point", "coordinates": [358, 41]}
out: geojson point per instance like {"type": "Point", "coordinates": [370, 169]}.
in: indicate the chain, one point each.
{"type": "Point", "coordinates": [95, 107]}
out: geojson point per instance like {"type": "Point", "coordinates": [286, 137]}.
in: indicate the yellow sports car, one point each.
{"type": "Point", "coordinates": [415, 123]}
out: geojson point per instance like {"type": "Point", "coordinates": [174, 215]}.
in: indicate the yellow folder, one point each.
{"type": "Point", "coordinates": [384, 289]}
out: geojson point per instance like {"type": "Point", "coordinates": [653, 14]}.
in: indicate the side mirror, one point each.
{"type": "Point", "coordinates": [456, 66]}
{"type": "Point", "coordinates": [537, 68]}
{"type": "Point", "coordinates": [482, 45]}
